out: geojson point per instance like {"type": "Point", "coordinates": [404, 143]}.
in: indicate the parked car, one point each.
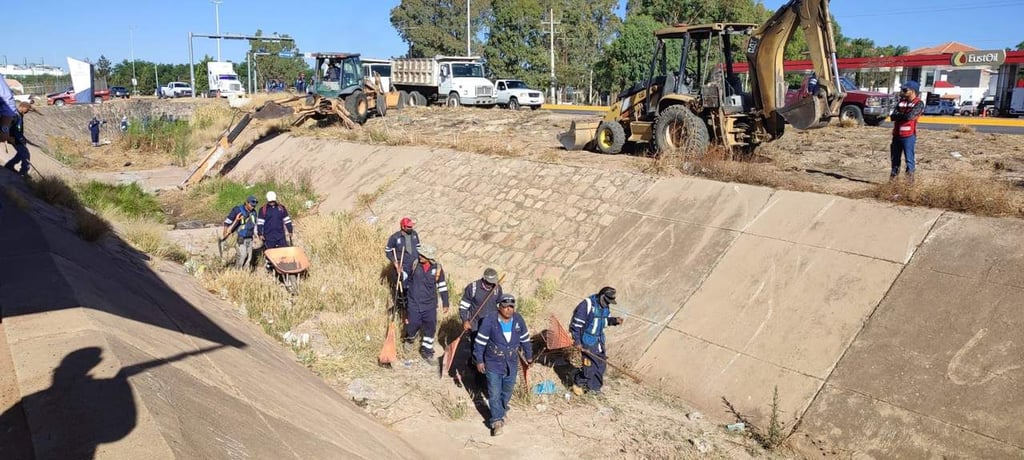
{"type": "Point", "coordinates": [967, 109]}
{"type": "Point", "coordinates": [68, 96]}
{"type": "Point", "coordinates": [119, 91]}
{"type": "Point", "coordinates": [514, 94]}
{"type": "Point", "coordinates": [25, 98]}
{"type": "Point", "coordinates": [943, 107]}
{"type": "Point", "coordinates": [987, 106]}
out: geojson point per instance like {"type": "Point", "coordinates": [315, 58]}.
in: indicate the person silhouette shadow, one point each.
{"type": "Point", "coordinates": [78, 412]}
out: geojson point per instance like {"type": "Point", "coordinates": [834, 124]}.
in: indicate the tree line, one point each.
{"type": "Point", "coordinates": [591, 42]}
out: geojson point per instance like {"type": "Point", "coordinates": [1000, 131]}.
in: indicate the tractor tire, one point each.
{"type": "Point", "coordinates": [610, 138]}
{"type": "Point", "coordinates": [403, 100]}
{"type": "Point", "coordinates": [357, 107]}
{"type": "Point", "coordinates": [678, 128]}
{"type": "Point", "coordinates": [851, 112]}
{"type": "Point", "coordinates": [382, 105]}
{"type": "Point", "coordinates": [453, 100]}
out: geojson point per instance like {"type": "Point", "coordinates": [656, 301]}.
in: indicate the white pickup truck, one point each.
{"type": "Point", "coordinates": [175, 89]}
{"type": "Point", "coordinates": [515, 94]}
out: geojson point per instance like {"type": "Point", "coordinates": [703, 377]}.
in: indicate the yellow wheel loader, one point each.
{"type": "Point", "coordinates": [691, 98]}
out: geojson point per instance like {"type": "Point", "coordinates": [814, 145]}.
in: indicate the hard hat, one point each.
{"type": "Point", "coordinates": [271, 196]}
{"type": "Point", "coordinates": [406, 222]}
{"type": "Point", "coordinates": [428, 251]}
{"type": "Point", "coordinates": [491, 276]}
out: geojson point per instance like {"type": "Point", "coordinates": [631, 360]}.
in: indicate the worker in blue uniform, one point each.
{"type": "Point", "coordinates": [589, 320]}
{"type": "Point", "coordinates": [499, 341]}
{"type": "Point", "coordinates": [427, 284]}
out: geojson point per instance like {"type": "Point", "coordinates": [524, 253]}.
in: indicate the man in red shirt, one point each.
{"type": "Point", "coordinates": [904, 131]}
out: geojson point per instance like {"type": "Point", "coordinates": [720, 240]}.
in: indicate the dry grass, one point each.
{"type": "Point", "coordinates": [720, 164]}
{"type": "Point", "coordinates": [956, 192]}
{"type": "Point", "coordinates": [966, 129]}
{"type": "Point", "coordinates": [147, 236]}
{"type": "Point", "coordinates": [344, 279]}
{"type": "Point", "coordinates": [66, 150]}
{"type": "Point", "coordinates": [91, 227]}
{"type": "Point", "coordinates": [848, 123]}
{"type": "Point", "coordinates": [453, 408]}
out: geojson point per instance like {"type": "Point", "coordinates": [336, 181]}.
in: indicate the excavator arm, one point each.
{"type": "Point", "coordinates": [765, 50]}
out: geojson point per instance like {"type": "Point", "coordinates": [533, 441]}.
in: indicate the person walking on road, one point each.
{"type": "Point", "coordinates": [427, 283]}
{"type": "Point", "coordinates": [17, 134]}
{"type": "Point", "coordinates": [402, 250]}
{"type": "Point", "coordinates": [589, 319]}
{"type": "Point", "coordinates": [904, 131]}
{"type": "Point", "coordinates": [242, 218]}
{"type": "Point", "coordinates": [496, 349]}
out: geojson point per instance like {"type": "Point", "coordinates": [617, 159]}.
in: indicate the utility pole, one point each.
{"type": "Point", "coordinates": [469, 33]}
{"type": "Point", "coordinates": [551, 24]}
{"type": "Point", "coordinates": [131, 44]}
{"type": "Point", "coordinates": [216, 5]}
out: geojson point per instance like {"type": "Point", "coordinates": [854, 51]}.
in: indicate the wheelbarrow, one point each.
{"type": "Point", "coordinates": [290, 263]}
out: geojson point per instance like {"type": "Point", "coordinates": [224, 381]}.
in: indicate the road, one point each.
{"type": "Point", "coordinates": [981, 125]}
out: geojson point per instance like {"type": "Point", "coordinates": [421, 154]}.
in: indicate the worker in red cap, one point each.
{"type": "Point", "coordinates": [403, 250]}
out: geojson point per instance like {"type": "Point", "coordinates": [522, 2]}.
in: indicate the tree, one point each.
{"type": "Point", "coordinates": [1020, 46]}
{"type": "Point", "coordinates": [103, 67]}
{"type": "Point", "coordinates": [626, 59]}
{"type": "Point", "coordinates": [586, 28]}
{"type": "Point", "coordinates": [515, 45]}
{"type": "Point", "coordinates": [433, 27]}
{"type": "Point", "coordinates": [268, 63]}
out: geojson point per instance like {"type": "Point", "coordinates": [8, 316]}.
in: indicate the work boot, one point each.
{"type": "Point", "coordinates": [496, 429]}
{"type": "Point", "coordinates": [910, 178]}
{"type": "Point", "coordinates": [576, 390]}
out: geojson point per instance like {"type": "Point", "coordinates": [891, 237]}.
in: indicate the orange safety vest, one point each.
{"type": "Point", "coordinates": [905, 128]}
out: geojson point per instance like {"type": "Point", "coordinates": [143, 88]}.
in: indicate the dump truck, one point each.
{"type": "Point", "coordinates": [692, 98]}
{"type": "Point", "coordinates": [450, 80]}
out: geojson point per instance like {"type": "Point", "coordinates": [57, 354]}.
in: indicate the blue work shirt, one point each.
{"type": "Point", "coordinates": [500, 355]}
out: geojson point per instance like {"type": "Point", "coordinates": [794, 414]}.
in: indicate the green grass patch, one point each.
{"type": "Point", "coordinates": [212, 199]}
{"type": "Point", "coordinates": [160, 136]}
{"type": "Point", "coordinates": [128, 199]}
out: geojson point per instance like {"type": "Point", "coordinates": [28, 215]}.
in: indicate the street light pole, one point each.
{"type": "Point", "coordinates": [469, 50]}
{"type": "Point", "coordinates": [551, 23]}
{"type": "Point", "coordinates": [216, 4]}
{"type": "Point", "coordinates": [131, 44]}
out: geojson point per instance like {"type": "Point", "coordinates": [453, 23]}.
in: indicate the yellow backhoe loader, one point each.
{"type": "Point", "coordinates": [701, 101]}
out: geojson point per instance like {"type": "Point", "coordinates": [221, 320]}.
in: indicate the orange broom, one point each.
{"type": "Point", "coordinates": [556, 338]}
{"type": "Point", "coordinates": [449, 351]}
{"type": "Point", "coordinates": [389, 351]}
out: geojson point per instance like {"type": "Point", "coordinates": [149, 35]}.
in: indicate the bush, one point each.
{"type": "Point", "coordinates": [218, 195]}
{"type": "Point", "coordinates": [128, 199]}
{"type": "Point", "coordinates": [160, 136]}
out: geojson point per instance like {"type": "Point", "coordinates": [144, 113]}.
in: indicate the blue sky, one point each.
{"type": "Point", "coordinates": [161, 28]}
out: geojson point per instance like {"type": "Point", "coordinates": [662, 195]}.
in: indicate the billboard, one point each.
{"type": "Point", "coordinates": [81, 80]}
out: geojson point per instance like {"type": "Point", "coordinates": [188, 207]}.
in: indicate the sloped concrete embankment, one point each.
{"type": "Point", "coordinates": [892, 331]}
{"type": "Point", "coordinates": [115, 356]}
{"type": "Point", "coordinates": [73, 120]}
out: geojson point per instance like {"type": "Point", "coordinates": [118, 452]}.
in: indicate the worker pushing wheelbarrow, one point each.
{"type": "Point", "coordinates": [274, 226]}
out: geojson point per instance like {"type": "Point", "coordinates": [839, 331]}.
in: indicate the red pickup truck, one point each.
{"type": "Point", "coordinates": [863, 107]}
{"type": "Point", "coordinates": [68, 96]}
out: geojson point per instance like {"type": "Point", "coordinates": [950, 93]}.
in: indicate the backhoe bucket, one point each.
{"type": "Point", "coordinates": [579, 135]}
{"type": "Point", "coordinates": [806, 113]}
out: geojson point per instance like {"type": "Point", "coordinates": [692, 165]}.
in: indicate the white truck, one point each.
{"type": "Point", "coordinates": [515, 94]}
{"type": "Point", "coordinates": [449, 80]}
{"type": "Point", "coordinates": [175, 89]}
{"type": "Point", "coordinates": [382, 67]}
{"type": "Point", "coordinates": [223, 80]}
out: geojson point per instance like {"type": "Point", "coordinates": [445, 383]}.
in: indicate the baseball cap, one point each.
{"type": "Point", "coordinates": [252, 200]}
{"type": "Point", "coordinates": [911, 84]}
{"type": "Point", "coordinates": [271, 196]}
{"type": "Point", "coordinates": [406, 222]}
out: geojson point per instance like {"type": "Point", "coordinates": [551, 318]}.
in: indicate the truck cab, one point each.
{"type": "Point", "coordinates": [861, 107]}
{"type": "Point", "coordinates": [464, 83]}
{"type": "Point", "coordinates": [378, 67]}
{"type": "Point", "coordinates": [176, 89]}
{"type": "Point", "coordinates": [222, 79]}
{"type": "Point", "coordinates": [515, 93]}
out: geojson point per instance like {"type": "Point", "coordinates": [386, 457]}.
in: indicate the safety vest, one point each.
{"type": "Point", "coordinates": [906, 128]}
{"type": "Point", "coordinates": [593, 332]}
{"type": "Point", "coordinates": [247, 222]}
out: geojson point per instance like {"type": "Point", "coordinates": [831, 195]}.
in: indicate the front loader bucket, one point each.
{"type": "Point", "coordinates": [807, 113]}
{"type": "Point", "coordinates": [579, 135]}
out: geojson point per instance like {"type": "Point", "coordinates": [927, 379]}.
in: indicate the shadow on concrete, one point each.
{"type": "Point", "coordinates": [78, 412]}
{"type": "Point", "coordinates": [46, 267]}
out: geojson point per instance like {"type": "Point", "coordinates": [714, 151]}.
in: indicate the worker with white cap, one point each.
{"type": "Point", "coordinates": [272, 222]}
